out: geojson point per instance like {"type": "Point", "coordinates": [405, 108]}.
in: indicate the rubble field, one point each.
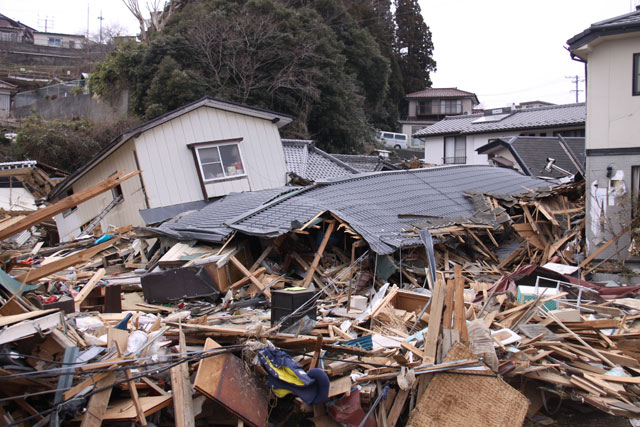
{"type": "Point", "coordinates": [485, 320]}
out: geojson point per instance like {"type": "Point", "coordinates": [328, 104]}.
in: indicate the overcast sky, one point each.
{"type": "Point", "coordinates": [505, 51]}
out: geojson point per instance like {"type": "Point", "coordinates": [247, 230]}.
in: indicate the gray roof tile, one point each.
{"type": "Point", "coordinates": [371, 203]}
{"type": "Point", "coordinates": [309, 162]}
{"type": "Point", "coordinates": [532, 118]}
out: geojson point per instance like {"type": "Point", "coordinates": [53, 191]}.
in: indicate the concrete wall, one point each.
{"type": "Point", "coordinates": [613, 114]}
{"type": "Point", "coordinates": [30, 54]}
{"type": "Point", "coordinates": [78, 106]}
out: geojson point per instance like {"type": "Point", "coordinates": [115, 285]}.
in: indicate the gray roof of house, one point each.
{"type": "Point", "coordinates": [379, 206]}
{"type": "Point", "coordinates": [532, 153]}
{"type": "Point", "coordinates": [309, 162]}
{"type": "Point", "coordinates": [208, 224]}
{"type": "Point", "coordinates": [532, 118]}
{"type": "Point", "coordinates": [442, 92]}
{"type": "Point", "coordinates": [626, 23]}
{"type": "Point", "coordinates": [361, 162]}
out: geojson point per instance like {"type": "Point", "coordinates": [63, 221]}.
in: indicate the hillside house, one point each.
{"type": "Point", "coordinates": [610, 50]}
{"type": "Point", "coordinates": [456, 139]}
{"type": "Point", "coordinates": [430, 105]}
{"type": "Point", "coordinates": [196, 153]}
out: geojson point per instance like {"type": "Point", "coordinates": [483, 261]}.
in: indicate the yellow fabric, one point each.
{"type": "Point", "coordinates": [286, 374]}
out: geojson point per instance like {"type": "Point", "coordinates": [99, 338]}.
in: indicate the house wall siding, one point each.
{"type": "Point", "coordinates": [171, 175]}
{"type": "Point", "coordinates": [123, 214]}
{"type": "Point", "coordinates": [613, 114]}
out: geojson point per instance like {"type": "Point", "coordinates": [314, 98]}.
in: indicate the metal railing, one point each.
{"type": "Point", "coordinates": [454, 160]}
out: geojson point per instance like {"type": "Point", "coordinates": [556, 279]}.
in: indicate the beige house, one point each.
{"type": "Point", "coordinates": [71, 41]}
{"type": "Point", "coordinates": [201, 151]}
{"type": "Point", "coordinates": [610, 50]}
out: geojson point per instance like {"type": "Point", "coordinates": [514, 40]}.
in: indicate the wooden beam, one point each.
{"type": "Point", "coordinates": [459, 318]}
{"type": "Point", "coordinates": [66, 203]}
{"type": "Point", "coordinates": [181, 391]}
{"type": "Point", "coordinates": [448, 305]}
{"type": "Point", "coordinates": [435, 318]}
{"type": "Point", "coordinates": [84, 293]}
{"type": "Point", "coordinates": [250, 275]}
{"type": "Point", "coordinates": [398, 406]}
{"type": "Point", "coordinates": [316, 259]}
{"type": "Point", "coordinates": [261, 258]}
{"type": "Point", "coordinates": [603, 247]}
{"type": "Point", "coordinates": [68, 261]}
{"type": "Point", "coordinates": [247, 279]}
{"type": "Point", "coordinates": [98, 402]}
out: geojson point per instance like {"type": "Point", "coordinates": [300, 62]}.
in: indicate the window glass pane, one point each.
{"type": "Point", "coordinates": [212, 171]}
{"type": "Point", "coordinates": [461, 146]}
{"type": "Point", "coordinates": [231, 160]}
{"type": "Point", "coordinates": [401, 137]}
{"type": "Point", "coordinates": [208, 155]}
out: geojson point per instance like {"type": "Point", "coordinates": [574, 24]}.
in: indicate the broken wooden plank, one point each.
{"type": "Point", "coordinates": [316, 259]}
{"type": "Point", "coordinates": [98, 402]}
{"type": "Point", "coordinates": [68, 261]}
{"type": "Point", "coordinates": [435, 318]}
{"type": "Point", "coordinates": [86, 290]}
{"type": "Point", "coordinates": [66, 203]}
{"type": "Point", "coordinates": [250, 275]}
{"type": "Point", "coordinates": [459, 318]}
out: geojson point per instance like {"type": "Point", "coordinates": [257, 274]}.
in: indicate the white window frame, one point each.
{"type": "Point", "coordinates": [226, 177]}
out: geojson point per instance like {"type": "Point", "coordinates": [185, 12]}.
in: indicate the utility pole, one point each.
{"type": "Point", "coordinates": [87, 21]}
{"type": "Point", "coordinates": [100, 18]}
{"type": "Point", "coordinates": [576, 80]}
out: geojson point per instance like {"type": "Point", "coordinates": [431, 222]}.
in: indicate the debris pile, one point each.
{"type": "Point", "coordinates": [480, 318]}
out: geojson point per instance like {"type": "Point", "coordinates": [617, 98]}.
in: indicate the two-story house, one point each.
{"type": "Point", "coordinates": [610, 50]}
{"type": "Point", "coordinates": [14, 31]}
{"type": "Point", "coordinates": [199, 152]}
{"type": "Point", "coordinates": [431, 105]}
{"type": "Point", "coordinates": [456, 139]}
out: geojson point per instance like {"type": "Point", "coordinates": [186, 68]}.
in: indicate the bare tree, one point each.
{"type": "Point", "coordinates": [245, 52]}
{"type": "Point", "coordinates": [159, 13]}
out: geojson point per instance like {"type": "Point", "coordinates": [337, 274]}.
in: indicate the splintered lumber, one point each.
{"type": "Point", "coordinates": [61, 264]}
{"type": "Point", "coordinates": [98, 402]}
{"type": "Point", "coordinates": [250, 275]}
{"type": "Point", "coordinates": [602, 248]}
{"type": "Point", "coordinates": [181, 391]}
{"type": "Point", "coordinates": [396, 409]}
{"type": "Point", "coordinates": [316, 259]}
{"type": "Point", "coordinates": [435, 318]}
{"type": "Point", "coordinates": [66, 203]}
{"type": "Point", "coordinates": [261, 258]}
{"type": "Point", "coordinates": [86, 290]}
{"type": "Point", "coordinates": [459, 318]}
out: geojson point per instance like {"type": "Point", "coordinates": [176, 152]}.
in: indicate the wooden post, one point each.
{"type": "Point", "coordinates": [459, 318]}
{"type": "Point", "coordinates": [316, 259]}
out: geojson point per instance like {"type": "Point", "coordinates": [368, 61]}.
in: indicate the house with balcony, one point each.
{"type": "Point", "coordinates": [456, 139]}
{"type": "Point", "coordinates": [431, 105]}
{"type": "Point", "coordinates": [610, 50]}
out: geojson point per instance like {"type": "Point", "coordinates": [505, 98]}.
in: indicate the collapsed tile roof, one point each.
{"type": "Point", "coordinates": [311, 163]}
{"type": "Point", "coordinates": [208, 224]}
{"type": "Point", "coordinates": [532, 152]}
{"type": "Point", "coordinates": [378, 206]}
{"type": "Point", "coordinates": [530, 118]}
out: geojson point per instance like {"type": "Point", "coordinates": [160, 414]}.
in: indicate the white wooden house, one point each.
{"type": "Point", "coordinates": [203, 150]}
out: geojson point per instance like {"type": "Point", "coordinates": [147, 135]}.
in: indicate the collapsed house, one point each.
{"type": "Point", "coordinates": [383, 298]}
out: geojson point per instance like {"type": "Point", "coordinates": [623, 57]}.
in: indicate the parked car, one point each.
{"type": "Point", "coordinates": [393, 139]}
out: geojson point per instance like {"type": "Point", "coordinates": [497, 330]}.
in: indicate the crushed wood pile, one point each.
{"type": "Point", "coordinates": [480, 324]}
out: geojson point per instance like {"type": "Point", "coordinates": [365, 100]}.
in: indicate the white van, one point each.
{"type": "Point", "coordinates": [393, 139]}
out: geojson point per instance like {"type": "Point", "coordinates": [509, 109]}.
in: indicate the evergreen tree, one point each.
{"type": "Point", "coordinates": [413, 46]}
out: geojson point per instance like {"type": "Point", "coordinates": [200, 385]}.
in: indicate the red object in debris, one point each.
{"type": "Point", "coordinates": [27, 261]}
{"type": "Point", "coordinates": [349, 411]}
{"type": "Point", "coordinates": [50, 299]}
